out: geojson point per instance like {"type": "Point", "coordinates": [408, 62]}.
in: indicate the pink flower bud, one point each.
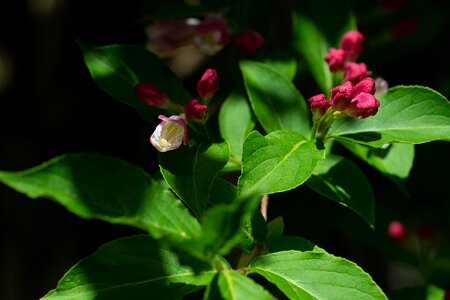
{"type": "Point", "coordinates": [341, 96]}
{"type": "Point", "coordinates": [208, 85]}
{"type": "Point", "coordinates": [170, 133]}
{"type": "Point", "coordinates": [397, 231]}
{"type": "Point", "coordinates": [151, 95]}
{"type": "Point", "coordinates": [355, 72]}
{"type": "Point", "coordinates": [319, 105]}
{"type": "Point", "coordinates": [212, 34]}
{"type": "Point", "coordinates": [356, 101]}
{"type": "Point", "coordinates": [248, 41]}
{"type": "Point", "coordinates": [336, 59]}
{"type": "Point", "coordinates": [363, 106]}
{"type": "Point", "coordinates": [353, 44]}
{"type": "Point", "coordinates": [195, 110]}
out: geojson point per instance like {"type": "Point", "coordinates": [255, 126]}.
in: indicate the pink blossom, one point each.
{"type": "Point", "coordinates": [319, 105]}
{"type": "Point", "coordinates": [353, 44]}
{"type": "Point", "coordinates": [170, 133]}
{"type": "Point", "coordinates": [212, 34]}
{"type": "Point", "coordinates": [248, 41]}
{"type": "Point", "coordinates": [336, 59]}
{"type": "Point", "coordinates": [208, 85]}
{"type": "Point", "coordinates": [168, 35]}
{"type": "Point", "coordinates": [151, 95]}
{"type": "Point", "coordinates": [195, 110]}
{"type": "Point", "coordinates": [355, 72]}
{"type": "Point", "coordinates": [397, 231]}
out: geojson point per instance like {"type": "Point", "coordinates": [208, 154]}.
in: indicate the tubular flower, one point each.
{"type": "Point", "coordinates": [355, 72]}
{"type": "Point", "coordinates": [212, 34]}
{"type": "Point", "coordinates": [353, 44]}
{"type": "Point", "coordinates": [248, 41]}
{"type": "Point", "coordinates": [356, 101]}
{"type": "Point", "coordinates": [195, 110]}
{"type": "Point", "coordinates": [151, 95]}
{"type": "Point", "coordinates": [170, 133]}
{"type": "Point", "coordinates": [208, 85]}
{"type": "Point", "coordinates": [336, 59]}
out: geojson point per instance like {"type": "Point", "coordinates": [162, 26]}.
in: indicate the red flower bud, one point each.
{"type": "Point", "coordinates": [355, 72]}
{"type": "Point", "coordinates": [151, 95]}
{"type": "Point", "coordinates": [363, 106]}
{"type": "Point", "coordinates": [356, 101]}
{"type": "Point", "coordinates": [319, 105]}
{"type": "Point", "coordinates": [208, 85]}
{"type": "Point", "coordinates": [195, 110]}
{"type": "Point", "coordinates": [336, 59]}
{"type": "Point", "coordinates": [353, 44]}
{"type": "Point", "coordinates": [248, 41]}
{"type": "Point", "coordinates": [397, 231]}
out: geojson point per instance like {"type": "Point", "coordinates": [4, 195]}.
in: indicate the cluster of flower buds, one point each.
{"type": "Point", "coordinates": [399, 232]}
{"type": "Point", "coordinates": [210, 35]}
{"type": "Point", "coordinates": [353, 100]}
{"type": "Point", "coordinates": [173, 131]}
{"type": "Point", "coordinates": [344, 58]}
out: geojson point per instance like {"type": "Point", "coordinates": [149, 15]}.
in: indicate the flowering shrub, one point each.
{"type": "Point", "coordinates": [223, 153]}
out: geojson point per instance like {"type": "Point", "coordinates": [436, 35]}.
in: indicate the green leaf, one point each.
{"type": "Point", "coordinates": [407, 114]}
{"type": "Point", "coordinates": [283, 62]}
{"type": "Point", "coordinates": [235, 122]}
{"type": "Point", "coordinates": [285, 243]}
{"type": "Point", "coordinates": [255, 231]}
{"type": "Point", "coordinates": [93, 186]}
{"type": "Point", "coordinates": [231, 285]}
{"type": "Point", "coordinates": [340, 180]}
{"type": "Point", "coordinates": [315, 30]}
{"type": "Point", "coordinates": [222, 192]}
{"type": "Point", "coordinates": [275, 228]}
{"type": "Point", "coordinates": [316, 275]}
{"type": "Point", "coordinates": [222, 229]}
{"type": "Point", "coordinates": [395, 161]}
{"type": "Point", "coordinates": [190, 172]}
{"type": "Point", "coordinates": [135, 267]}
{"type": "Point", "coordinates": [275, 101]}
{"type": "Point", "coordinates": [278, 162]}
{"type": "Point", "coordinates": [118, 68]}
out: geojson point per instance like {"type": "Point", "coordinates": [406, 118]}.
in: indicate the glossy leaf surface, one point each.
{"type": "Point", "coordinates": [407, 114]}
{"type": "Point", "coordinates": [93, 186]}
{"type": "Point", "coordinates": [316, 275]}
{"type": "Point", "coordinates": [190, 172]}
{"type": "Point", "coordinates": [137, 267]}
{"type": "Point", "coordinates": [340, 180]}
{"type": "Point", "coordinates": [278, 162]}
{"type": "Point", "coordinates": [276, 102]}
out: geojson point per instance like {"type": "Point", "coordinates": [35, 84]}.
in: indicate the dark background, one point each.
{"type": "Point", "coordinates": [49, 105]}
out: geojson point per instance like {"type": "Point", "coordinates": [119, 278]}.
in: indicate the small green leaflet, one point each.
{"type": "Point", "coordinates": [278, 162]}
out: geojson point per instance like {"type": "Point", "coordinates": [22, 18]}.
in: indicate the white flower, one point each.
{"type": "Point", "coordinates": [170, 133]}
